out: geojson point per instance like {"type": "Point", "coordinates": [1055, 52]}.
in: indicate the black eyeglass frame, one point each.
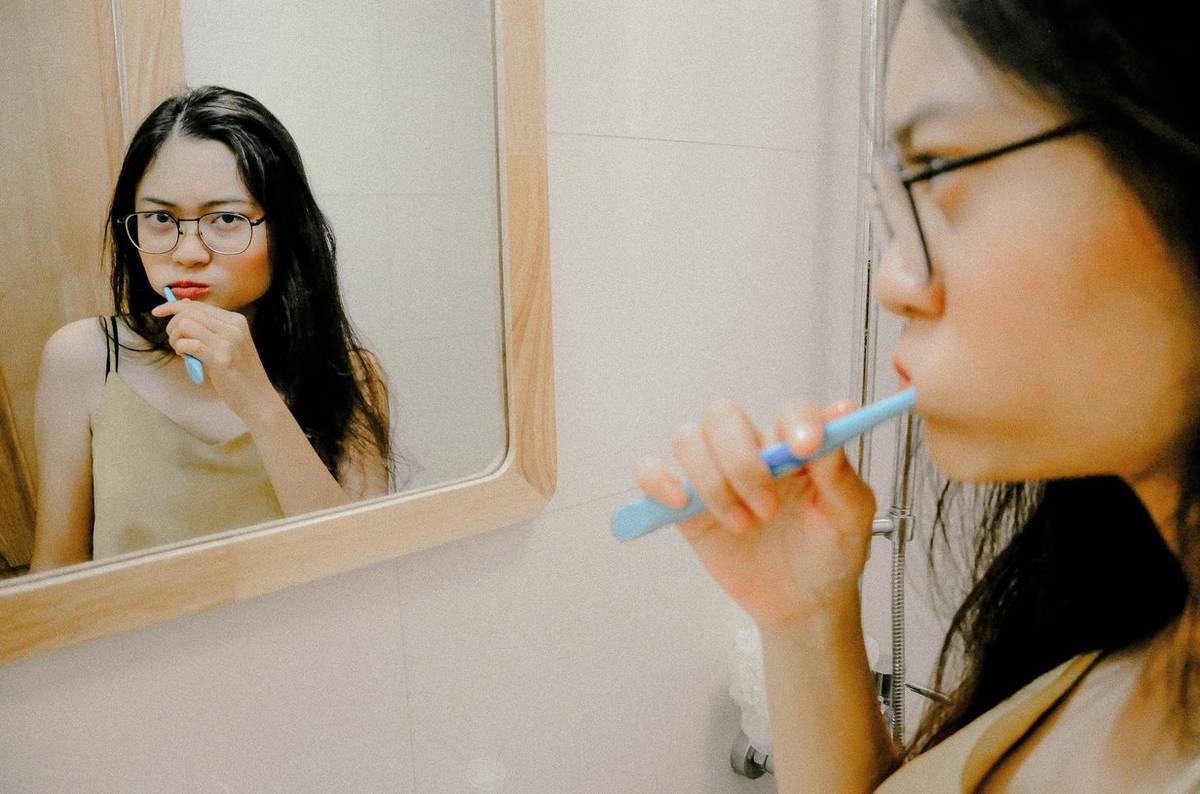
{"type": "Point", "coordinates": [124, 222]}
{"type": "Point", "coordinates": [941, 166]}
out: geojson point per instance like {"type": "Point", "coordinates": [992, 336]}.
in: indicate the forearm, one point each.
{"type": "Point", "coordinates": [828, 732]}
{"type": "Point", "coordinates": [299, 477]}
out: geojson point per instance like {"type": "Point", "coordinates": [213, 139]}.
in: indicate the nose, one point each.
{"type": "Point", "coordinates": [905, 289]}
{"type": "Point", "coordinates": [190, 251]}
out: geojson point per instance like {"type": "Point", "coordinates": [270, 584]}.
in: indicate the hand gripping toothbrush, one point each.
{"type": "Point", "coordinates": [646, 515]}
{"type": "Point", "coordinates": [195, 367]}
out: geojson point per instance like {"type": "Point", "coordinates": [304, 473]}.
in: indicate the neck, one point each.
{"type": "Point", "coordinates": [1159, 492]}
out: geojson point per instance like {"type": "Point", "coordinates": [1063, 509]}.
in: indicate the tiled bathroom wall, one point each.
{"type": "Point", "coordinates": [702, 166]}
{"type": "Point", "coordinates": [393, 108]}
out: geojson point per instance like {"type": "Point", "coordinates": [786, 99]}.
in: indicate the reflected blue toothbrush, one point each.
{"type": "Point", "coordinates": [646, 515]}
{"type": "Point", "coordinates": [195, 367]}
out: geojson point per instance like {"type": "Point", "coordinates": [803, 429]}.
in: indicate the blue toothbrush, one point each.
{"type": "Point", "coordinates": [646, 515]}
{"type": "Point", "coordinates": [195, 367]}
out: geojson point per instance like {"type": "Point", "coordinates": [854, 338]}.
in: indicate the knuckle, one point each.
{"type": "Point", "coordinates": [749, 469]}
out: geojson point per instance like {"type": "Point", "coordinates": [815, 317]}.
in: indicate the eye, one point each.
{"type": "Point", "coordinates": [925, 161]}
{"type": "Point", "coordinates": [160, 219]}
{"type": "Point", "coordinates": [227, 219]}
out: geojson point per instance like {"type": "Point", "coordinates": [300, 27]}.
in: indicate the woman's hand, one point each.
{"type": "Point", "coordinates": [785, 549]}
{"type": "Point", "coordinates": [221, 340]}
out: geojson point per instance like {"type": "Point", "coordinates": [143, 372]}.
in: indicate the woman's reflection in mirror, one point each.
{"type": "Point", "coordinates": [212, 201]}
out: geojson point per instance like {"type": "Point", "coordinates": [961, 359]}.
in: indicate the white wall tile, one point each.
{"type": "Point", "coordinates": [757, 73]}
{"type": "Point", "coordinates": [448, 407]}
{"type": "Point", "coordinates": [569, 662]}
{"type": "Point", "coordinates": [311, 66]}
{"type": "Point", "coordinates": [296, 691]}
{"type": "Point", "coordinates": [438, 84]}
{"type": "Point", "coordinates": [685, 274]}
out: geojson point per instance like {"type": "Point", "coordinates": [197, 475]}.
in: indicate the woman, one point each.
{"type": "Point", "coordinates": [1036, 216]}
{"type": "Point", "coordinates": [291, 415]}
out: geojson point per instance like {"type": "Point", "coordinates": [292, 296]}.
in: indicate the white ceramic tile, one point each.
{"type": "Point", "coordinates": [759, 73]}
{"type": "Point", "coordinates": [298, 691]}
{"type": "Point", "coordinates": [419, 277]}
{"type": "Point", "coordinates": [414, 267]}
{"type": "Point", "coordinates": [684, 274]}
{"type": "Point", "coordinates": [558, 660]}
{"type": "Point", "coordinates": [438, 85]}
{"type": "Point", "coordinates": [448, 407]}
{"type": "Point", "coordinates": [314, 66]}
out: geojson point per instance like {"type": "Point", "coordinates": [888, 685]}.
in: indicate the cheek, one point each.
{"type": "Point", "coordinates": [253, 270]}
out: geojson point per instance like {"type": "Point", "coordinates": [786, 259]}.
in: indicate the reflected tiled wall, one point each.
{"type": "Point", "coordinates": [393, 108]}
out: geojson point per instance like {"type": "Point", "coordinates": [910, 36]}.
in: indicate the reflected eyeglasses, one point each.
{"type": "Point", "coordinates": [158, 232]}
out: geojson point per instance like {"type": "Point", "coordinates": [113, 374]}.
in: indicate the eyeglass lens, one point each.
{"type": "Point", "coordinates": [894, 218]}
{"type": "Point", "coordinates": [159, 232]}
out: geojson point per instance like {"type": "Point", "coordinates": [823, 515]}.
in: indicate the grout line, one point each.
{"type": "Point", "coordinates": [406, 673]}
{"type": "Point", "coordinates": [785, 149]}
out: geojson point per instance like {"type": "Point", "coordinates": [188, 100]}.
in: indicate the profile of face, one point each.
{"type": "Point", "coordinates": [189, 178]}
{"type": "Point", "coordinates": [1054, 333]}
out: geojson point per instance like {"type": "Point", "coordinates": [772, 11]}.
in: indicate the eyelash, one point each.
{"type": "Point", "coordinates": [920, 161]}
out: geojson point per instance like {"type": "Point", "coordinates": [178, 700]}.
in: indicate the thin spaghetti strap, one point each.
{"type": "Point", "coordinates": [116, 346]}
{"type": "Point", "coordinates": [107, 351]}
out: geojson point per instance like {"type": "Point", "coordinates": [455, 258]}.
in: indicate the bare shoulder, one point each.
{"type": "Point", "coordinates": [75, 354]}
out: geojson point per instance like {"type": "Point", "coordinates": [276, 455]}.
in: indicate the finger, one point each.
{"type": "Point", "coordinates": [653, 477]}
{"type": "Point", "coordinates": [842, 491]}
{"type": "Point", "coordinates": [839, 485]}
{"type": "Point", "coordinates": [736, 446]}
{"type": "Point", "coordinates": [185, 327]}
{"type": "Point", "coordinates": [691, 450]}
{"type": "Point", "coordinates": [214, 316]}
{"type": "Point", "coordinates": [801, 425]}
{"type": "Point", "coordinates": [194, 348]}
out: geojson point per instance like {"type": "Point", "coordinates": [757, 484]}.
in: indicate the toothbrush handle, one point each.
{"type": "Point", "coordinates": [646, 515]}
{"type": "Point", "coordinates": [194, 366]}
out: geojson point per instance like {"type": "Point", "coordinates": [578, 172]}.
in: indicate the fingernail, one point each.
{"type": "Point", "coordinates": [804, 436]}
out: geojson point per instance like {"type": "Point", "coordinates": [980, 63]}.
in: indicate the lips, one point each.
{"type": "Point", "coordinates": [188, 289]}
{"type": "Point", "coordinates": [905, 380]}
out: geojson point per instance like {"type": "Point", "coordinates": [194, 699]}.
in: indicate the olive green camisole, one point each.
{"type": "Point", "coordinates": [154, 483]}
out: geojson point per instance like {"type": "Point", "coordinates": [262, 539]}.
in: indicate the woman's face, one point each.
{"type": "Point", "coordinates": [1055, 336]}
{"type": "Point", "coordinates": [188, 178]}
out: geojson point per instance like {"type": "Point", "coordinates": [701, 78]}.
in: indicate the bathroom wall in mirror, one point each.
{"type": "Point", "coordinates": [268, 270]}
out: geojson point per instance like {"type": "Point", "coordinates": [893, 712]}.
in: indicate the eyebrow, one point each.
{"type": "Point", "coordinates": [901, 133]}
{"type": "Point", "coordinates": [205, 205]}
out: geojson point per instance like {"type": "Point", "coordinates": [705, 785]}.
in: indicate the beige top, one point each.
{"type": "Point", "coordinates": [155, 483]}
{"type": "Point", "coordinates": [965, 759]}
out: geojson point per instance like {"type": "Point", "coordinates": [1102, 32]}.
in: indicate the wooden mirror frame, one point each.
{"type": "Point", "coordinates": [55, 609]}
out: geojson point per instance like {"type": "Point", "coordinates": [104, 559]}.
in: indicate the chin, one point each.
{"type": "Point", "coordinates": [977, 463]}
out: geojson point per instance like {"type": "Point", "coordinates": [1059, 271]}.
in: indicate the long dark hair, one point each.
{"type": "Point", "coordinates": [331, 384]}
{"type": "Point", "coordinates": [1069, 566]}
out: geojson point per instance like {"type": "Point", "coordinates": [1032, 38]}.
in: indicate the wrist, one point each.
{"type": "Point", "coordinates": [265, 412]}
{"type": "Point", "coordinates": [832, 616]}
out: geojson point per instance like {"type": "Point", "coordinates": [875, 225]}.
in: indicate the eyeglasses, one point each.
{"type": "Point", "coordinates": [158, 232]}
{"type": "Point", "coordinates": [894, 216]}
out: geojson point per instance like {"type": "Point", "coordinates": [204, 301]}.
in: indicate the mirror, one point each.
{"type": "Point", "coordinates": [421, 126]}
